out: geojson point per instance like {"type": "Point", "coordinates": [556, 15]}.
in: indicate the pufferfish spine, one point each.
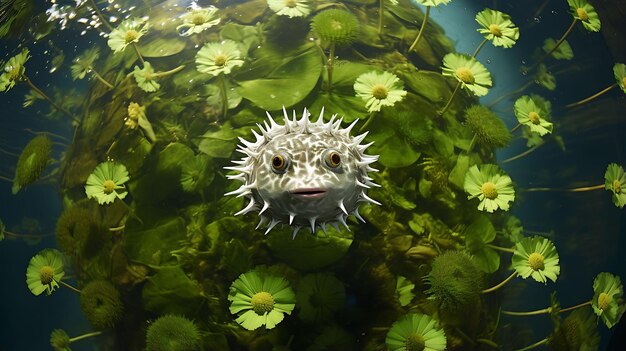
{"type": "Point", "coordinates": [304, 173]}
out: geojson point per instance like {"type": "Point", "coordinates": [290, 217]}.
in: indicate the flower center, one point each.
{"type": "Point", "coordinates": [617, 186]}
{"type": "Point", "coordinates": [108, 186]}
{"type": "Point", "coordinates": [582, 14]}
{"type": "Point", "coordinates": [46, 274]}
{"type": "Point", "coordinates": [604, 300]}
{"type": "Point", "coordinates": [131, 36]}
{"type": "Point", "coordinates": [262, 302]}
{"type": "Point", "coordinates": [534, 117]}
{"type": "Point", "coordinates": [465, 75]}
{"type": "Point", "coordinates": [220, 60]}
{"type": "Point", "coordinates": [535, 260]}
{"type": "Point", "coordinates": [489, 190]}
{"type": "Point", "coordinates": [379, 91]}
{"type": "Point", "coordinates": [414, 342]}
{"type": "Point", "coordinates": [198, 19]}
{"type": "Point", "coordinates": [290, 3]}
{"type": "Point", "coordinates": [495, 30]}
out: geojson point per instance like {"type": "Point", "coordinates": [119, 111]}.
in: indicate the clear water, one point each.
{"type": "Point", "coordinates": [172, 245]}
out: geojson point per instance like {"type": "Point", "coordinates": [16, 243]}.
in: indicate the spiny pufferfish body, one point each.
{"type": "Point", "coordinates": [304, 173]}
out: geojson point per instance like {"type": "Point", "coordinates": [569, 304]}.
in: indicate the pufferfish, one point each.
{"type": "Point", "coordinates": [304, 173]}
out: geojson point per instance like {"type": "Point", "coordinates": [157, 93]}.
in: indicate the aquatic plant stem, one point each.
{"type": "Point", "coordinates": [583, 101]}
{"type": "Point", "coordinates": [329, 68]}
{"type": "Point", "coordinates": [472, 144]}
{"type": "Point", "coordinates": [100, 15]}
{"type": "Point", "coordinates": [19, 235]}
{"type": "Point", "coordinates": [371, 117]}
{"type": "Point", "coordinates": [556, 46]}
{"type": "Point", "coordinates": [545, 310]}
{"type": "Point", "coordinates": [494, 288]}
{"type": "Point", "coordinates": [85, 336]}
{"type": "Point", "coordinates": [69, 286]}
{"type": "Point", "coordinates": [572, 190]}
{"type": "Point", "coordinates": [381, 11]}
{"type": "Point", "coordinates": [445, 108]}
{"type": "Point", "coordinates": [138, 53]}
{"type": "Point", "coordinates": [514, 92]}
{"type": "Point", "coordinates": [99, 77]}
{"type": "Point", "coordinates": [167, 73]}
{"type": "Point", "coordinates": [480, 46]}
{"type": "Point", "coordinates": [7, 179]}
{"type": "Point", "coordinates": [516, 127]}
{"type": "Point", "coordinates": [500, 248]}
{"type": "Point", "coordinates": [525, 153]}
{"type": "Point", "coordinates": [422, 27]}
{"type": "Point", "coordinates": [537, 344]}
{"type": "Point", "coordinates": [223, 92]}
{"type": "Point", "coordinates": [43, 95]}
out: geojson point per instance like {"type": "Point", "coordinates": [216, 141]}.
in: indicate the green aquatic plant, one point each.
{"type": "Point", "coordinates": [335, 28]}
{"type": "Point", "coordinates": [290, 8]}
{"type": "Point", "coordinates": [544, 78]}
{"type": "Point", "coordinates": [615, 181]}
{"type": "Point", "coordinates": [564, 52]}
{"type": "Point", "coordinates": [137, 118]}
{"type": "Point", "coordinates": [496, 27]}
{"type": "Point", "coordinates": [489, 130]}
{"type": "Point", "coordinates": [332, 337]}
{"type": "Point", "coordinates": [428, 4]}
{"type": "Point", "coordinates": [404, 290]}
{"type": "Point", "coordinates": [84, 63]}
{"type": "Point", "coordinates": [533, 112]}
{"type": "Point", "coordinates": [60, 341]}
{"type": "Point", "coordinates": [196, 173]}
{"type": "Point", "coordinates": [45, 271]}
{"type": "Point", "coordinates": [198, 20]}
{"type": "Point", "coordinates": [469, 73]}
{"type": "Point", "coordinates": [319, 295]}
{"type": "Point", "coordinates": [379, 89]}
{"type": "Point", "coordinates": [607, 301]}
{"type": "Point", "coordinates": [455, 281]}
{"type": "Point", "coordinates": [106, 182]}
{"type": "Point", "coordinates": [173, 333]}
{"type": "Point", "coordinates": [101, 304]}
{"type": "Point", "coordinates": [146, 76]}
{"type": "Point", "coordinates": [536, 257]}
{"type": "Point", "coordinates": [619, 72]}
{"type": "Point", "coordinates": [72, 229]}
{"type": "Point", "coordinates": [263, 298]}
{"type": "Point", "coordinates": [219, 58]}
{"type": "Point", "coordinates": [416, 332]}
{"type": "Point", "coordinates": [492, 187]}
{"type": "Point", "coordinates": [128, 33]}
{"type": "Point", "coordinates": [578, 331]}
{"type": "Point", "coordinates": [32, 162]}
{"type": "Point", "coordinates": [15, 15]}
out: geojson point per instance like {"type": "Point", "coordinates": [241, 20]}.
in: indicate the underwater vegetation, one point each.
{"type": "Point", "coordinates": [206, 137]}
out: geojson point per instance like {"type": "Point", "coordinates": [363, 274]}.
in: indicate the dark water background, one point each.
{"type": "Point", "coordinates": [589, 231]}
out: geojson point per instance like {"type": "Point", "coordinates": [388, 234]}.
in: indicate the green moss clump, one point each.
{"type": "Point", "coordinates": [487, 126]}
{"type": "Point", "coordinates": [79, 234]}
{"type": "Point", "coordinates": [101, 304]}
{"type": "Point", "coordinates": [336, 26]}
{"type": "Point", "coordinates": [32, 162]}
{"type": "Point", "coordinates": [455, 281]}
{"type": "Point", "coordinates": [59, 340]}
{"type": "Point", "coordinates": [172, 333]}
{"type": "Point", "coordinates": [577, 332]}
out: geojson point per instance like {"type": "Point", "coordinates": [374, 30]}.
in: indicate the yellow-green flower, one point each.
{"type": "Point", "coordinates": [59, 340]}
{"type": "Point", "coordinates": [13, 71]}
{"type": "Point", "coordinates": [497, 27]}
{"type": "Point", "coordinates": [146, 78]}
{"type": "Point", "coordinates": [44, 271]}
{"type": "Point", "coordinates": [563, 52]}
{"type": "Point", "coordinates": [468, 71]}
{"type": "Point", "coordinates": [536, 257]}
{"type": "Point", "coordinates": [531, 112]}
{"type": "Point", "coordinates": [545, 78]}
{"type": "Point", "coordinates": [619, 71]}
{"type": "Point", "coordinates": [290, 8]}
{"type": "Point", "coordinates": [615, 180]}
{"type": "Point", "coordinates": [264, 297]}
{"type": "Point", "coordinates": [491, 186]}
{"type": "Point", "coordinates": [607, 299]}
{"type": "Point", "coordinates": [106, 183]}
{"type": "Point", "coordinates": [584, 12]}
{"type": "Point", "coordinates": [197, 20]}
{"type": "Point", "coordinates": [137, 118]}
{"type": "Point", "coordinates": [379, 89]}
{"type": "Point", "coordinates": [416, 331]}
{"type": "Point", "coordinates": [83, 64]}
{"type": "Point", "coordinates": [432, 2]}
{"type": "Point", "coordinates": [126, 33]}
{"type": "Point", "coordinates": [217, 58]}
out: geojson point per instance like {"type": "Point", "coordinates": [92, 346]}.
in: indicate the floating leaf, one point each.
{"type": "Point", "coordinates": [153, 246]}
{"type": "Point", "coordinates": [162, 46]}
{"type": "Point", "coordinates": [218, 141]}
{"type": "Point", "coordinates": [477, 236]}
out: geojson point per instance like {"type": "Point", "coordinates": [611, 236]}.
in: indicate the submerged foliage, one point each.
{"type": "Point", "coordinates": [32, 162]}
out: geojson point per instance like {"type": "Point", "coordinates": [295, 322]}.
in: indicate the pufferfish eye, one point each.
{"type": "Point", "coordinates": [332, 159]}
{"type": "Point", "coordinates": [280, 162]}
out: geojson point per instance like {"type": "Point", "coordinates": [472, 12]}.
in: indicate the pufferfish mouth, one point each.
{"type": "Point", "coordinates": [309, 193]}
